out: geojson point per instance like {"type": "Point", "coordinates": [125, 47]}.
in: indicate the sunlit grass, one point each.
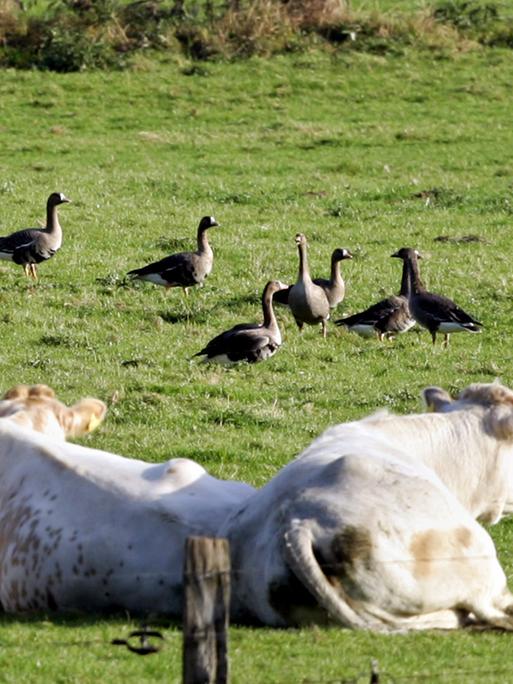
{"type": "Point", "coordinates": [342, 148]}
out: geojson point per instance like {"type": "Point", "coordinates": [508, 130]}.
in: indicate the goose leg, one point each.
{"type": "Point", "coordinates": [445, 343]}
{"type": "Point", "coordinates": [33, 271]}
{"type": "Point", "coordinates": [26, 268]}
{"type": "Point", "coordinates": [433, 337]}
{"type": "Point", "coordinates": [324, 329]}
{"type": "Point", "coordinates": [186, 291]}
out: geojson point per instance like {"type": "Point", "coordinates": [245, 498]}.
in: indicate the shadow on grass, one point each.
{"type": "Point", "coordinates": [90, 619]}
{"type": "Point", "coordinates": [204, 315]}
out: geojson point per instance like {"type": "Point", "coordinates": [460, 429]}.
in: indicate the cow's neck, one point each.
{"type": "Point", "coordinates": [462, 454]}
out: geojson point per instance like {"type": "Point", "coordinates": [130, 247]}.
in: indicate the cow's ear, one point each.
{"type": "Point", "coordinates": [86, 414]}
{"type": "Point", "coordinates": [17, 392]}
{"type": "Point", "coordinates": [499, 422]}
{"type": "Point", "coordinates": [436, 399]}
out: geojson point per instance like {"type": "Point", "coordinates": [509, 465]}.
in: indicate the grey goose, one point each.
{"type": "Point", "coordinates": [435, 312]}
{"type": "Point", "coordinates": [385, 318]}
{"type": "Point", "coordinates": [251, 342]}
{"type": "Point", "coordinates": [184, 269]}
{"type": "Point", "coordinates": [32, 246]}
{"type": "Point", "coordinates": [307, 301]}
{"type": "Point", "coordinates": [334, 288]}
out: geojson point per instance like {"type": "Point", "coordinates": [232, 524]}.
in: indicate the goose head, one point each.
{"type": "Point", "coordinates": [300, 239]}
{"type": "Point", "coordinates": [407, 253]}
{"type": "Point", "coordinates": [340, 254]}
{"type": "Point", "coordinates": [207, 222]}
{"type": "Point", "coordinates": [275, 286]}
{"type": "Point", "coordinates": [57, 198]}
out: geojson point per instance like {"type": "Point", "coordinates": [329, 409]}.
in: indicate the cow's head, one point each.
{"type": "Point", "coordinates": [37, 407]}
{"type": "Point", "coordinates": [494, 399]}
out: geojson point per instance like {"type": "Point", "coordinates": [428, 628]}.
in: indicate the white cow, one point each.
{"type": "Point", "coordinates": [36, 407]}
{"type": "Point", "coordinates": [373, 525]}
{"type": "Point", "coordinates": [86, 530]}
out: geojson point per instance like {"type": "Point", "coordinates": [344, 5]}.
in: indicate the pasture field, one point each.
{"type": "Point", "coordinates": [360, 151]}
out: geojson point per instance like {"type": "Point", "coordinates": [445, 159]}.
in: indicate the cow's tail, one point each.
{"type": "Point", "coordinates": [301, 560]}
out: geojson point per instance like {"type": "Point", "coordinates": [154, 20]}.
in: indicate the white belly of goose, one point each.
{"type": "Point", "coordinates": [453, 326]}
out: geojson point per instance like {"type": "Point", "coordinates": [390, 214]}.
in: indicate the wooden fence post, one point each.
{"type": "Point", "coordinates": [206, 611]}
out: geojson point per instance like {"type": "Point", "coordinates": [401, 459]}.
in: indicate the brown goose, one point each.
{"type": "Point", "coordinates": [434, 312]}
{"type": "Point", "coordinates": [251, 342]}
{"type": "Point", "coordinates": [385, 318]}
{"type": "Point", "coordinates": [308, 301]}
{"type": "Point", "coordinates": [335, 287]}
{"type": "Point", "coordinates": [33, 245]}
{"type": "Point", "coordinates": [184, 269]}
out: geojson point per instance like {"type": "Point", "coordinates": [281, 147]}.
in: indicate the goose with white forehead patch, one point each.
{"type": "Point", "coordinates": [184, 269]}
{"type": "Point", "coordinates": [385, 318]}
{"type": "Point", "coordinates": [251, 342]}
{"type": "Point", "coordinates": [334, 287]}
{"type": "Point", "coordinates": [32, 246]}
{"type": "Point", "coordinates": [308, 301]}
{"type": "Point", "coordinates": [433, 311]}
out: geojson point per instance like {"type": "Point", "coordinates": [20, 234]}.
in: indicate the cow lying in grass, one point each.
{"type": "Point", "coordinates": [36, 407]}
{"type": "Point", "coordinates": [373, 525]}
{"type": "Point", "coordinates": [86, 530]}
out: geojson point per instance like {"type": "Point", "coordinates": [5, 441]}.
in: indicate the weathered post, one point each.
{"type": "Point", "coordinates": [206, 611]}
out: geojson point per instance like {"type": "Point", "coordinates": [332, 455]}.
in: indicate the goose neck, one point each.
{"type": "Point", "coordinates": [336, 277]}
{"type": "Point", "coordinates": [405, 290]}
{"type": "Point", "coordinates": [203, 244]}
{"type": "Point", "coordinates": [303, 273]}
{"type": "Point", "coordinates": [270, 321]}
{"type": "Point", "coordinates": [52, 219]}
{"type": "Point", "coordinates": [415, 283]}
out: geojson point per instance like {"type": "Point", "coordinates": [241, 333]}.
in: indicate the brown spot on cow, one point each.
{"type": "Point", "coordinates": [432, 546]}
{"type": "Point", "coordinates": [351, 545]}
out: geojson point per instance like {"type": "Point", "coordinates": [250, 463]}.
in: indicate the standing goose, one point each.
{"type": "Point", "coordinates": [33, 245]}
{"type": "Point", "coordinates": [184, 269]}
{"type": "Point", "coordinates": [334, 288]}
{"type": "Point", "coordinates": [308, 301]}
{"type": "Point", "coordinates": [251, 342]}
{"type": "Point", "coordinates": [385, 318]}
{"type": "Point", "coordinates": [434, 312]}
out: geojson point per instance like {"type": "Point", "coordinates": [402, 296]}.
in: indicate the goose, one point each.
{"type": "Point", "coordinates": [307, 301]}
{"type": "Point", "coordinates": [386, 317]}
{"type": "Point", "coordinates": [251, 342]}
{"type": "Point", "coordinates": [33, 245]}
{"type": "Point", "coordinates": [334, 287]}
{"type": "Point", "coordinates": [184, 269]}
{"type": "Point", "coordinates": [434, 312]}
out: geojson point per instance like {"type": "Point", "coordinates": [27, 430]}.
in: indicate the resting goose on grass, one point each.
{"type": "Point", "coordinates": [184, 269]}
{"type": "Point", "coordinates": [385, 318]}
{"type": "Point", "coordinates": [33, 245]}
{"type": "Point", "coordinates": [251, 342]}
{"type": "Point", "coordinates": [308, 302]}
{"type": "Point", "coordinates": [334, 288]}
{"type": "Point", "coordinates": [434, 312]}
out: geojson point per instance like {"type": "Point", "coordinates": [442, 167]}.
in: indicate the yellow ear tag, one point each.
{"type": "Point", "coordinates": [94, 421]}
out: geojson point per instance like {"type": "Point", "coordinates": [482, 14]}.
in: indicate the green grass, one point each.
{"type": "Point", "coordinates": [335, 146]}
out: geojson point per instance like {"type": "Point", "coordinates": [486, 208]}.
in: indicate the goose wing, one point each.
{"type": "Point", "coordinates": [441, 309]}
{"type": "Point", "coordinates": [18, 240]}
{"type": "Point", "coordinates": [372, 315]}
{"type": "Point", "coordinates": [177, 269]}
{"type": "Point", "coordinates": [244, 342]}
